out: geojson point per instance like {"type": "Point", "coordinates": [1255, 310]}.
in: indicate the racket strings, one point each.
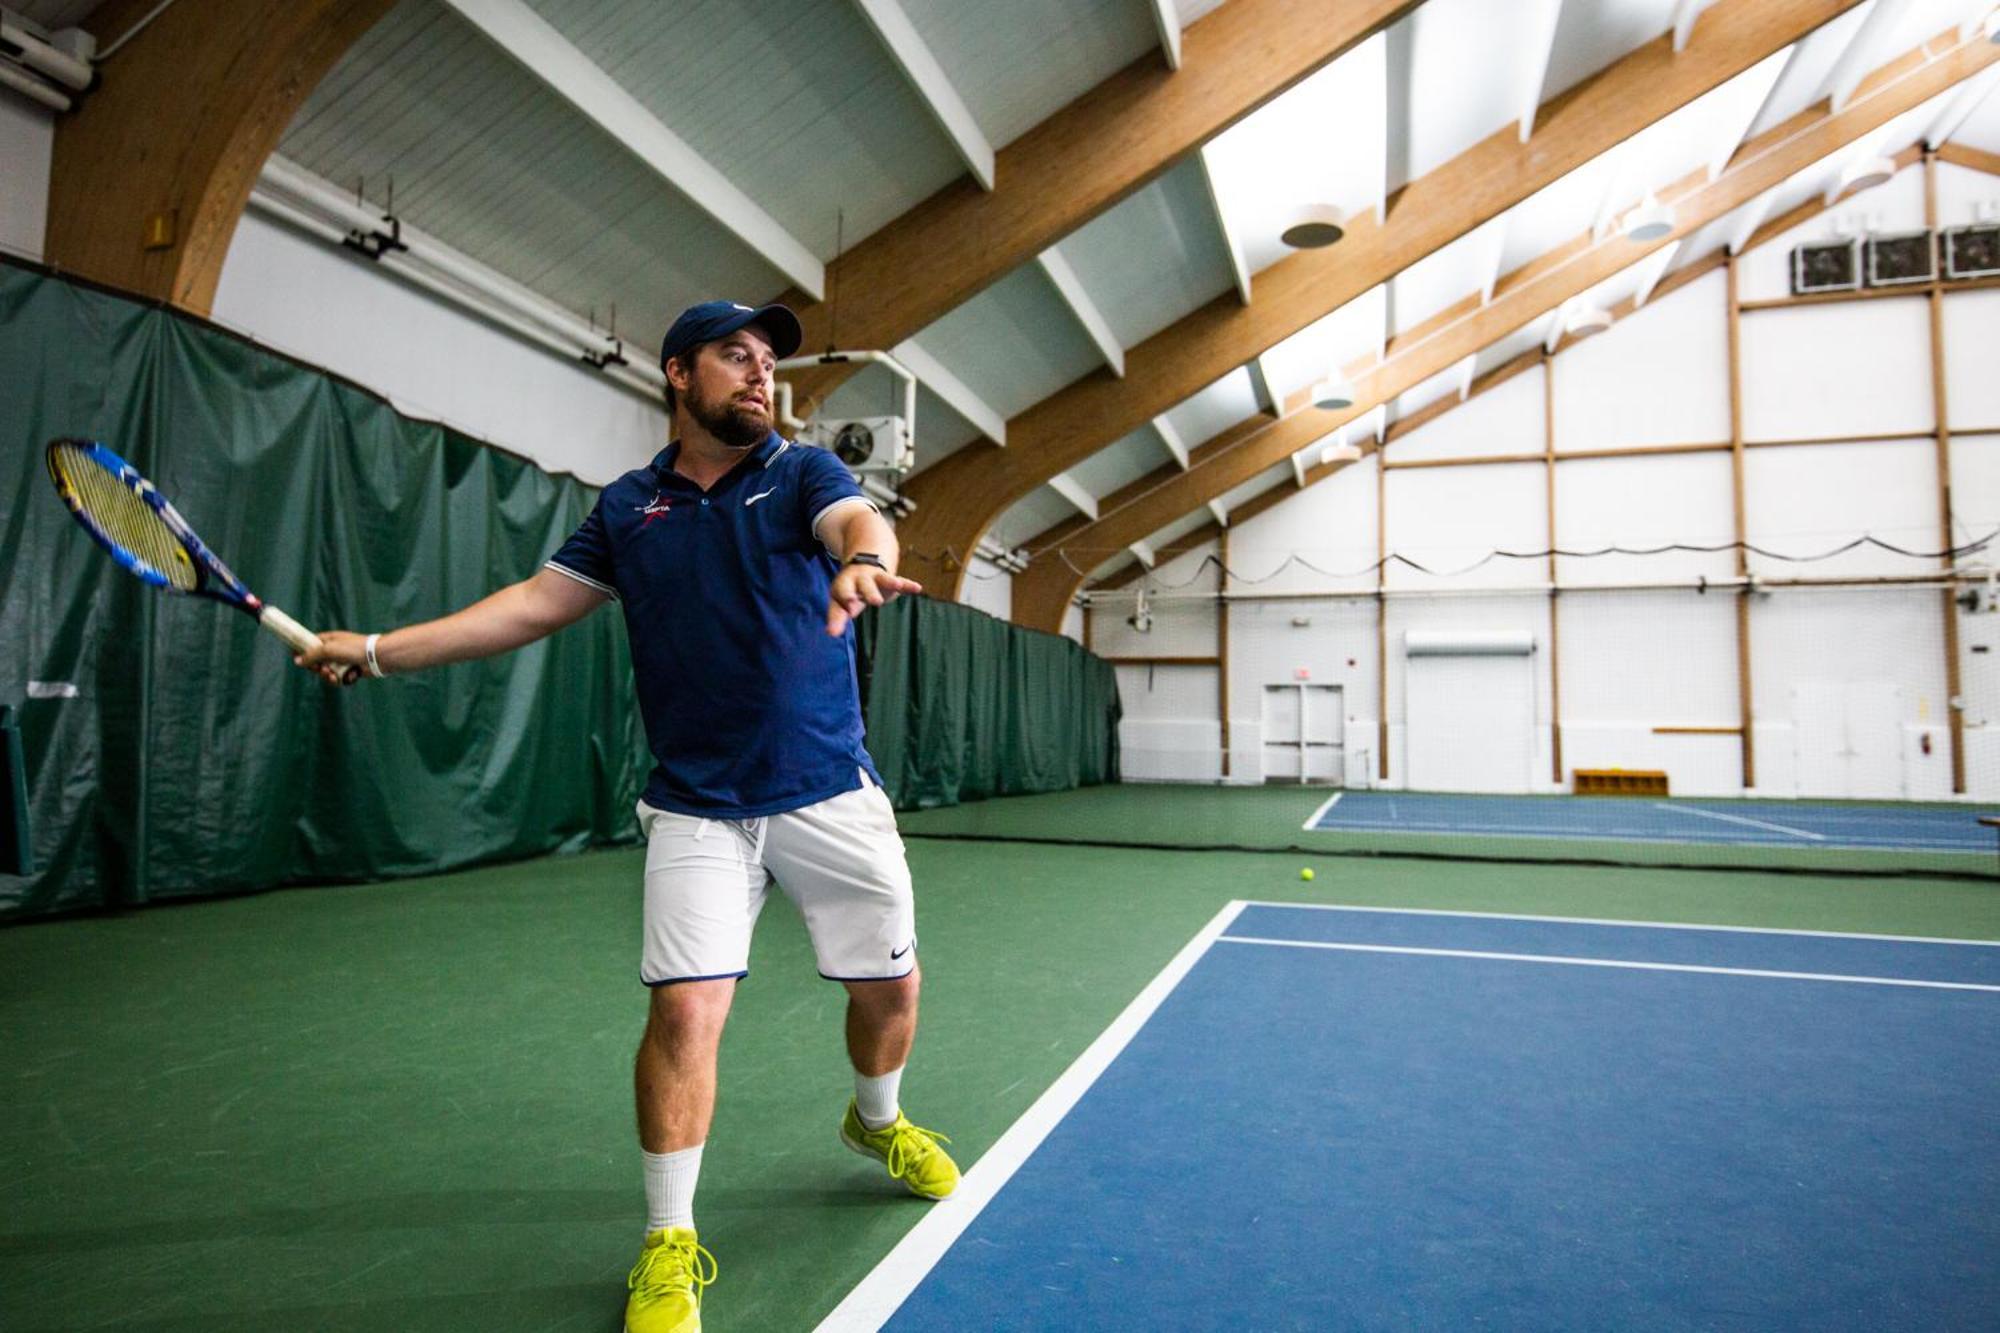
{"type": "Point", "coordinates": [115, 509]}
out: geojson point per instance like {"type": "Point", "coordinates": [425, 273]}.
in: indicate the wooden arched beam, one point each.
{"type": "Point", "coordinates": [152, 171]}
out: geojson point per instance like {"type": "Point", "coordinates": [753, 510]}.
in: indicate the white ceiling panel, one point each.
{"type": "Point", "coordinates": [1031, 516]}
{"type": "Point", "coordinates": [1179, 528]}
{"type": "Point", "coordinates": [1689, 139]}
{"type": "Point", "coordinates": [1438, 111]}
{"type": "Point", "coordinates": [1982, 129]}
{"type": "Point", "coordinates": [1122, 463]}
{"type": "Point", "coordinates": [1444, 276]}
{"type": "Point", "coordinates": [487, 160]}
{"type": "Point", "coordinates": [828, 124]}
{"type": "Point", "coordinates": [1014, 63]}
{"type": "Point", "coordinates": [1155, 257]}
{"type": "Point", "coordinates": [1322, 141]}
{"type": "Point", "coordinates": [1014, 344]}
{"type": "Point", "coordinates": [1813, 60]}
{"type": "Point", "coordinates": [1558, 212]}
{"type": "Point", "coordinates": [1442, 385]}
{"type": "Point", "coordinates": [1280, 475]}
{"type": "Point", "coordinates": [1350, 334]}
{"type": "Point", "coordinates": [1215, 409]}
{"type": "Point", "coordinates": [1593, 34]}
{"type": "Point", "coordinates": [1527, 337]}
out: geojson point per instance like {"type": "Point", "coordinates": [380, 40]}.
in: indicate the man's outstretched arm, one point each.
{"type": "Point", "coordinates": [516, 615]}
{"type": "Point", "coordinates": [857, 530]}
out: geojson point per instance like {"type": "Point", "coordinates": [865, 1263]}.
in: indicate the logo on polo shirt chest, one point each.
{"type": "Point", "coordinates": [656, 509]}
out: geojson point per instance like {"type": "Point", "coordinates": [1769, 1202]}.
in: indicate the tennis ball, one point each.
{"type": "Point", "coordinates": [1306, 873]}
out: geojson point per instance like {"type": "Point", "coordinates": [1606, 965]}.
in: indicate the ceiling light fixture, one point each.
{"type": "Point", "coordinates": [1865, 173]}
{"type": "Point", "coordinates": [1340, 451]}
{"type": "Point", "coordinates": [1333, 393]}
{"type": "Point", "coordinates": [1586, 320]}
{"type": "Point", "coordinates": [1312, 227]}
{"type": "Point", "coordinates": [1650, 221]}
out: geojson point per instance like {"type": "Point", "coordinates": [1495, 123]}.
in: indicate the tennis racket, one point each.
{"type": "Point", "coordinates": [125, 515]}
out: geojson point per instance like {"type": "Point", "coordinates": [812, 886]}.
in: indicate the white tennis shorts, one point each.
{"type": "Point", "coordinates": [841, 861]}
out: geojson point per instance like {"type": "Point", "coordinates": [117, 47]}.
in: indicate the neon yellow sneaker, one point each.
{"type": "Point", "coordinates": [667, 1282]}
{"type": "Point", "coordinates": [912, 1154]}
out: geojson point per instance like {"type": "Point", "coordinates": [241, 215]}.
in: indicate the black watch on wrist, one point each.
{"type": "Point", "coordinates": [867, 558]}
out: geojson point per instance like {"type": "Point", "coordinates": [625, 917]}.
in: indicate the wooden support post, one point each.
{"type": "Point", "coordinates": [1743, 687]}
{"type": "Point", "coordinates": [1947, 597]}
{"type": "Point", "coordinates": [1222, 643]}
{"type": "Point", "coordinates": [1381, 615]}
{"type": "Point", "coordinates": [1555, 599]}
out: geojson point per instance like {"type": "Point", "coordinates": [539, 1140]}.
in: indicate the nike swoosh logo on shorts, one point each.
{"type": "Point", "coordinates": [894, 954]}
{"type": "Point", "coordinates": [758, 496]}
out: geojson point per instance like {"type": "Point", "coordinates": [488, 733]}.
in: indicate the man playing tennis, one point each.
{"type": "Point", "coordinates": [740, 559]}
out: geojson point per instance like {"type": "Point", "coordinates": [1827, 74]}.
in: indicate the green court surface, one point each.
{"type": "Point", "coordinates": [406, 1106]}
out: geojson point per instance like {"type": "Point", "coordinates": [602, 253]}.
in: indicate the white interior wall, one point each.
{"type": "Point", "coordinates": [1641, 667]}
{"type": "Point", "coordinates": [988, 587]}
{"type": "Point", "coordinates": [335, 309]}
{"type": "Point", "coordinates": [27, 141]}
{"type": "Point", "coordinates": [1172, 727]}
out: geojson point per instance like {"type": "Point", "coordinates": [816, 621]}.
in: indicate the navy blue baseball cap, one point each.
{"type": "Point", "coordinates": [710, 320]}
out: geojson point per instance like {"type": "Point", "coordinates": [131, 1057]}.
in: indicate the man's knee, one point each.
{"type": "Point", "coordinates": [688, 1012]}
{"type": "Point", "coordinates": [889, 996]}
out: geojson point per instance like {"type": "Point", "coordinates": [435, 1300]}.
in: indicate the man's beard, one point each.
{"type": "Point", "coordinates": [736, 426]}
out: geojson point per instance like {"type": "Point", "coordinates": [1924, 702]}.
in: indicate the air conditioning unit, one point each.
{"type": "Point", "coordinates": [1901, 258]}
{"type": "Point", "coordinates": [870, 446]}
{"type": "Point", "coordinates": [1826, 266]}
{"type": "Point", "coordinates": [1972, 252]}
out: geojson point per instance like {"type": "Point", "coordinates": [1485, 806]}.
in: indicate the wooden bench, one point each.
{"type": "Point", "coordinates": [1618, 782]}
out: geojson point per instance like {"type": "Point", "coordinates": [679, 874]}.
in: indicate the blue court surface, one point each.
{"type": "Point", "coordinates": [1822, 824]}
{"type": "Point", "coordinates": [1329, 1118]}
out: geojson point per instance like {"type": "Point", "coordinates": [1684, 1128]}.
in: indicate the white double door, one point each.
{"type": "Point", "coordinates": [1305, 728]}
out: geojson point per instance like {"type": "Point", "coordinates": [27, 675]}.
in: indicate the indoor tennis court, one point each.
{"type": "Point", "coordinates": [1071, 664]}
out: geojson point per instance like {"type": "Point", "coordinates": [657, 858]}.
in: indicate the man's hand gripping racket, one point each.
{"type": "Point", "coordinates": [132, 521]}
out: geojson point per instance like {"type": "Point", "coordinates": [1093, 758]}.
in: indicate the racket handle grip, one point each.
{"type": "Point", "coordinates": [296, 636]}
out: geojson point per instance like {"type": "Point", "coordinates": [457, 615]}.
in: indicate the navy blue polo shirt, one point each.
{"type": "Point", "coordinates": [751, 708]}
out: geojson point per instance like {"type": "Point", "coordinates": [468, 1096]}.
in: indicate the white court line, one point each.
{"type": "Point", "coordinates": [1613, 921]}
{"type": "Point", "coordinates": [1737, 819]}
{"type": "Point", "coordinates": [891, 1281]}
{"type": "Point", "coordinates": [1608, 962]}
{"type": "Point", "coordinates": [1314, 818]}
{"type": "Point", "coordinates": [1542, 831]}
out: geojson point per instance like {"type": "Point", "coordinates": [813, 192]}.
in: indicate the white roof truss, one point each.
{"type": "Point", "coordinates": [1864, 52]}
{"type": "Point", "coordinates": [1217, 512]}
{"type": "Point", "coordinates": [1753, 217]}
{"type": "Point", "coordinates": [1167, 18]}
{"type": "Point", "coordinates": [1467, 369]}
{"type": "Point", "coordinates": [1083, 501]}
{"type": "Point", "coordinates": [1538, 43]}
{"type": "Point", "coordinates": [574, 77]}
{"type": "Point", "coordinates": [906, 47]}
{"type": "Point", "coordinates": [1143, 551]}
{"type": "Point", "coordinates": [1171, 438]}
{"type": "Point", "coordinates": [931, 373]}
{"type": "Point", "coordinates": [1656, 266]}
{"type": "Point", "coordinates": [1685, 13]}
{"type": "Point", "coordinates": [1299, 467]}
{"type": "Point", "coordinates": [1231, 242]}
{"type": "Point", "coordinates": [1263, 386]}
{"type": "Point", "coordinates": [1070, 288]}
{"type": "Point", "coordinates": [1959, 109]}
{"type": "Point", "coordinates": [1732, 132]}
{"type": "Point", "coordinates": [1495, 256]}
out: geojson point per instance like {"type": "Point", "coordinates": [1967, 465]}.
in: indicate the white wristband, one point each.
{"type": "Point", "coordinates": [368, 652]}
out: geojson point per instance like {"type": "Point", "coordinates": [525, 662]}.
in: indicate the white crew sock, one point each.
{"type": "Point", "coordinates": [670, 1178]}
{"type": "Point", "coordinates": [875, 1098]}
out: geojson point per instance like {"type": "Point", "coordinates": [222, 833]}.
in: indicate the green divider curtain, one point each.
{"type": "Point", "coordinates": [172, 749]}
{"type": "Point", "coordinates": [962, 706]}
